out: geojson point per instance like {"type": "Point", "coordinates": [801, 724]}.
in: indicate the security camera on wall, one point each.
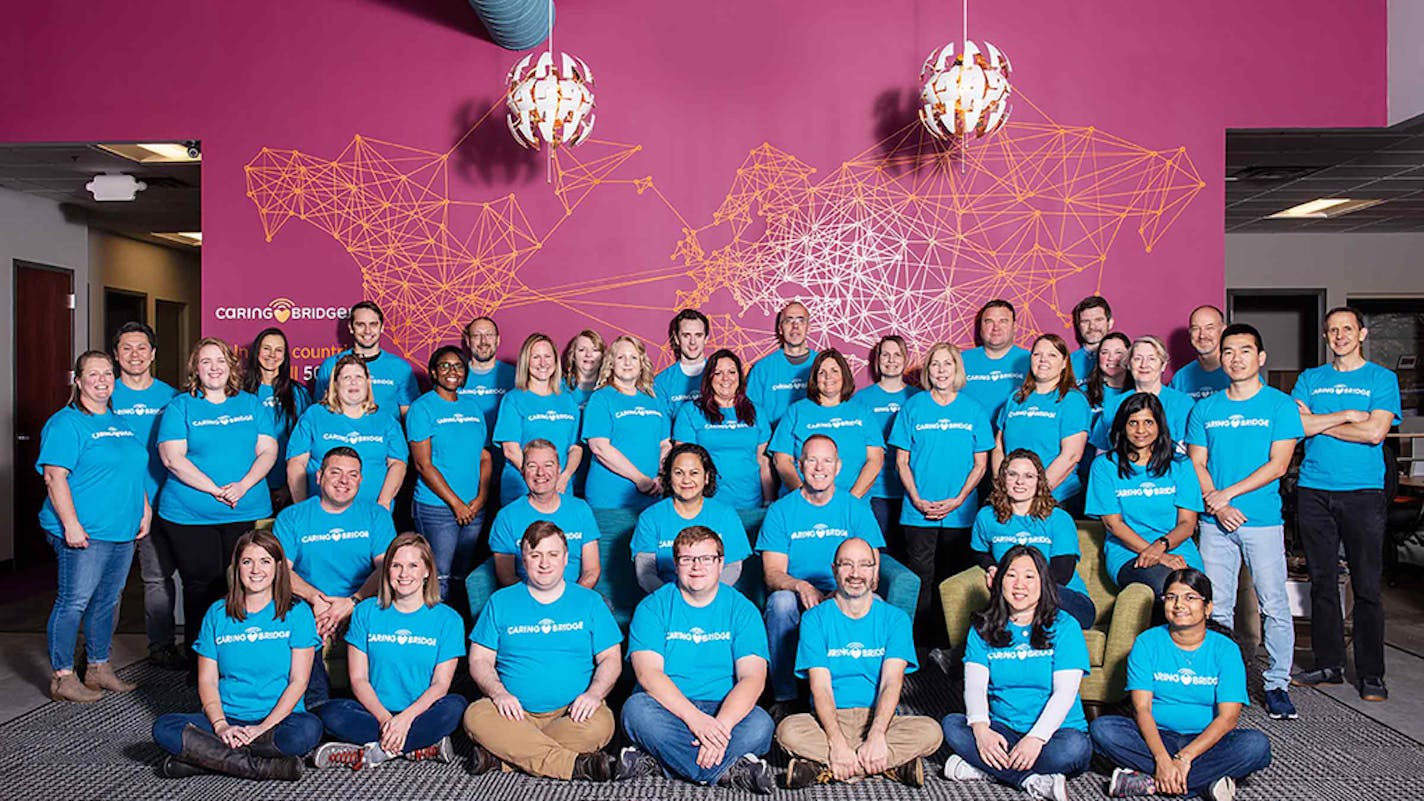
{"type": "Point", "coordinates": [115, 186]}
{"type": "Point", "coordinates": [195, 149]}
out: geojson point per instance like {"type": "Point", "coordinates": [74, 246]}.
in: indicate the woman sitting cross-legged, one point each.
{"type": "Point", "coordinates": [254, 657]}
{"type": "Point", "coordinates": [402, 647]}
{"type": "Point", "coordinates": [1188, 685]}
{"type": "Point", "coordinates": [1023, 662]}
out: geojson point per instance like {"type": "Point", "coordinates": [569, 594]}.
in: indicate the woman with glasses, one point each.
{"type": "Point", "coordinates": [1188, 685]}
{"type": "Point", "coordinates": [450, 446]}
{"type": "Point", "coordinates": [689, 482]}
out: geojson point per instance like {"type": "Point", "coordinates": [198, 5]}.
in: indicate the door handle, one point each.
{"type": "Point", "coordinates": [23, 438]}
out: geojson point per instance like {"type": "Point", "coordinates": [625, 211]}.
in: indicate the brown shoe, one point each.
{"type": "Point", "coordinates": [910, 774]}
{"type": "Point", "coordinates": [69, 688]}
{"type": "Point", "coordinates": [101, 677]}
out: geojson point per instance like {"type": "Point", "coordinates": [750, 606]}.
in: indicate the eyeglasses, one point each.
{"type": "Point", "coordinates": [1189, 598]}
{"type": "Point", "coordinates": [706, 559]}
{"type": "Point", "coordinates": [849, 565]}
{"type": "Point", "coordinates": [449, 367]}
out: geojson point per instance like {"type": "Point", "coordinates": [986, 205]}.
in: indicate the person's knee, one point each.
{"type": "Point", "coordinates": [1254, 748]}
{"type": "Point", "coordinates": [638, 710]}
{"type": "Point", "coordinates": [1109, 730]}
{"type": "Point", "coordinates": [757, 728]}
{"type": "Point", "coordinates": [479, 717]}
{"type": "Point", "coordinates": [1075, 749]}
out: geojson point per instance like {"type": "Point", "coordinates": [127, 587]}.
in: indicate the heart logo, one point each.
{"type": "Point", "coordinates": [855, 653]}
{"type": "Point", "coordinates": [400, 639]}
{"type": "Point", "coordinates": [282, 314]}
{"type": "Point", "coordinates": [252, 636]}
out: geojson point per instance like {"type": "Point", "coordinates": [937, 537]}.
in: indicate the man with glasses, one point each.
{"type": "Point", "coordinates": [856, 649]}
{"type": "Point", "coordinates": [699, 653]}
{"type": "Point", "coordinates": [779, 378]}
{"type": "Point", "coordinates": [488, 377]}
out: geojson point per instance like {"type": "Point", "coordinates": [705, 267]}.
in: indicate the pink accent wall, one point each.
{"type": "Point", "coordinates": [698, 86]}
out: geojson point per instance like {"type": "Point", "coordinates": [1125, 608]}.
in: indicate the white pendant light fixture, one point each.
{"type": "Point", "coordinates": [965, 93]}
{"type": "Point", "coordinates": [550, 98]}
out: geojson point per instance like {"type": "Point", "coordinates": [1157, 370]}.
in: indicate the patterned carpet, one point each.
{"type": "Point", "coordinates": [76, 752]}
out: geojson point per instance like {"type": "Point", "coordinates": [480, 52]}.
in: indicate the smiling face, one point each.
{"type": "Point", "coordinates": [1205, 330]}
{"type": "Point", "coordinates": [1093, 325]}
{"type": "Point", "coordinates": [627, 364]}
{"type": "Point", "coordinates": [482, 340]}
{"type": "Point", "coordinates": [1141, 429]}
{"type": "Point", "coordinates": [541, 471]}
{"type": "Point", "coordinates": [942, 370]}
{"type": "Point", "coordinates": [542, 361]}
{"type": "Point", "coordinates": [339, 479]}
{"type": "Point", "coordinates": [353, 386]}
{"type": "Point", "coordinates": [1343, 334]}
{"type": "Point", "coordinates": [891, 361]}
{"type": "Point", "coordinates": [450, 372]}
{"type": "Point", "coordinates": [271, 352]}
{"type": "Point", "coordinates": [1047, 364]}
{"type": "Point", "coordinates": [996, 327]}
{"type": "Point", "coordinates": [691, 339]}
{"type": "Point", "coordinates": [134, 354]}
{"type": "Point", "coordinates": [1112, 358]}
{"type": "Point", "coordinates": [688, 477]}
{"type": "Point", "coordinates": [699, 567]}
{"type": "Point", "coordinates": [407, 573]}
{"type": "Point", "coordinates": [366, 329]}
{"type": "Point", "coordinates": [856, 567]}
{"type": "Point", "coordinates": [1020, 480]}
{"type": "Point", "coordinates": [830, 382]}
{"type": "Point", "coordinates": [1147, 366]}
{"type": "Point", "coordinates": [544, 563]}
{"type": "Point", "coordinates": [1240, 357]}
{"type": "Point", "coordinates": [1183, 607]}
{"type": "Point", "coordinates": [213, 369]}
{"type": "Point", "coordinates": [795, 325]}
{"type": "Point", "coordinates": [820, 464]}
{"type": "Point", "coordinates": [256, 569]}
{"type": "Point", "coordinates": [725, 378]}
{"type": "Point", "coordinates": [1021, 585]}
{"type": "Point", "coordinates": [96, 381]}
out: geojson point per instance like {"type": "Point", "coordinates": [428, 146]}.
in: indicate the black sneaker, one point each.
{"type": "Point", "coordinates": [482, 761]}
{"type": "Point", "coordinates": [167, 657]}
{"type": "Point", "coordinates": [802, 773]}
{"type": "Point", "coordinates": [1279, 706]}
{"type": "Point", "coordinates": [748, 773]}
{"type": "Point", "coordinates": [594, 766]}
{"type": "Point", "coordinates": [1321, 675]}
{"type": "Point", "coordinates": [635, 763]}
{"type": "Point", "coordinates": [1372, 689]}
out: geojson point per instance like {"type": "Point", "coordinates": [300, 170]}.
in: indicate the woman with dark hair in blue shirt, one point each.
{"type": "Point", "coordinates": [734, 432]}
{"type": "Point", "coordinates": [828, 410]}
{"type": "Point", "coordinates": [1049, 416]}
{"type": "Point", "coordinates": [268, 375]}
{"type": "Point", "coordinates": [690, 482]}
{"type": "Point", "coordinates": [255, 650]}
{"type": "Point", "coordinates": [1188, 685]}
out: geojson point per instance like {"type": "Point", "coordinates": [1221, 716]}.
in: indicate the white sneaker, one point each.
{"type": "Point", "coordinates": [1047, 787]}
{"type": "Point", "coordinates": [375, 755]}
{"type": "Point", "coordinates": [1223, 789]}
{"type": "Point", "coordinates": [348, 755]}
{"type": "Point", "coordinates": [957, 770]}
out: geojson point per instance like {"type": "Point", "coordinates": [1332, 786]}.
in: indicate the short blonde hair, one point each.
{"type": "Point", "coordinates": [955, 357]}
{"type": "Point", "coordinates": [1156, 344]}
{"type": "Point", "coordinates": [644, 384]}
{"type": "Point", "coordinates": [332, 401]}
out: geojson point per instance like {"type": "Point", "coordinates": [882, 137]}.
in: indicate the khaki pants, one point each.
{"type": "Point", "coordinates": [543, 744]}
{"type": "Point", "coordinates": [907, 737]}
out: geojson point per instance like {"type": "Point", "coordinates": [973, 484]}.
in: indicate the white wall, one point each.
{"type": "Point", "coordinates": [32, 229]}
{"type": "Point", "coordinates": [1406, 59]}
{"type": "Point", "coordinates": [1345, 265]}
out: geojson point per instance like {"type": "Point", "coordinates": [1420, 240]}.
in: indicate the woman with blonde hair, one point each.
{"type": "Point", "coordinates": [627, 430]}
{"type": "Point", "coordinates": [581, 360]}
{"type": "Point", "coordinates": [348, 415]}
{"type": "Point", "coordinates": [218, 445]}
{"type": "Point", "coordinates": [537, 408]}
{"type": "Point", "coordinates": [402, 647]}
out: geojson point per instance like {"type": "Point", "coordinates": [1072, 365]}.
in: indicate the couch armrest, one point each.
{"type": "Point", "coordinates": [479, 586]}
{"type": "Point", "coordinates": [962, 595]}
{"type": "Point", "coordinates": [1131, 615]}
{"type": "Point", "coordinates": [899, 585]}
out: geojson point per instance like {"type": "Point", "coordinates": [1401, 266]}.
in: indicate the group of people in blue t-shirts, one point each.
{"type": "Point", "coordinates": [782, 478]}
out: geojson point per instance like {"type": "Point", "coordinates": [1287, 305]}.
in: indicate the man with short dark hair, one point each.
{"type": "Point", "coordinates": [1092, 320]}
{"type": "Point", "coordinates": [681, 381]}
{"type": "Point", "coordinates": [997, 367]}
{"type": "Point", "coordinates": [1204, 376]}
{"type": "Point", "coordinates": [1346, 407]}
{"type": "Point", "coordinates": [779, 379]}
{"type": "Point", "coordinates": [393, 385]}
{"type": "Point", "coordinates": [1241, 441]}
{"type": "Point", "coordinates": [139, 399]}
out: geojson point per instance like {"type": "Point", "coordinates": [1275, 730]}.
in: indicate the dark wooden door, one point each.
{"type": "Point", "coordinates": [44, 352]}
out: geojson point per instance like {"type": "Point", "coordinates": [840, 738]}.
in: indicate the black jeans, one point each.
{"type": "Point", "coordinates": [934, 554]}
{"type": "Point", "coordinates": [202, 554]}
{"type": "Point", "coordinates": [1356, 518]}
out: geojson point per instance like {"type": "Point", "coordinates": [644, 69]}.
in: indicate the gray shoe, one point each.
{"type": "Point", "coordinates": [635, 763]}
{"type": "Point", "coordinates": [1046, 787]}
{"type": "Point", "coordinates": [749, 773]}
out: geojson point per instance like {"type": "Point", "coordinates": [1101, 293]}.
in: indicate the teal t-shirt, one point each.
{"type": "Point", "coordinates": [1197, 382]}
{"type": "Point", "coordinates": [660, 523]}
{"type": "Point", "coordinates": [1148, 505]}
{"type": "Point", "coordinates": [525, 416]}
{"type": "Point", "coordinates": [853, 650]}
{"type": "Point", "coordinates": [1238, 437]}
{"type": "Point", "coordinates": [1021, 676]}
{"type": "Point", "coordinates": [573, 516]}
{"type": "Point", "coordinates": [107, 464]}
{"type": "Point", "coordinates": [222, 442]}
{"type": "Point", "coordinates": [457, 434]}
{"type": "Point", "coordinates": [849, 424]}
{"type": "Point", "coordinates": [1055, 535]}
{"type": "Point", "coordinates": [809, 535]}
{"type": "Point", "coordinates": [283, 427]}
{"type": "Point", "coordinates": [942, 442]}
{"type": "Point", "coordinates": [1040, 422]}
{"type": "Point", "coordinates": [883, 407]}
{"type": "Point", "coordinates": [990, 382]}
{"type": "Point", "coordinates": [732, 445]}
{"type": "Point", "coordinates": [393, 382]}
{"type": "Point", "coordinates": [140, 409]}
{"type": "Point", "coordinates": [335, 553]}
{"type": "Point", "coordinates": [1177, 406]}
{"type": "Point", "coordinates": [636, 425]}
{"type": "Point", "coordinates": [403, 648]}
{"type": "Point", "coordinates": [675, 388]}
{"type": "Point", "coordinates": [544, 652]}
{"type": "Point", "coordinates": [376, 437]}
{"type": "Point", "coordinates": [1186, 686]}
{"type": "Point", "coordinates": [1334, 464]}
{"type": "Point", "coordinates": [700, 646]}
{"type": "Point", "coordinates": [486, 390]}
{"type": "Point", "coordinates": [1083, 362]}
{"type": "Point", "coordinates": [254, 656]}
{"type": "Point", "coordinates": [774, 383]}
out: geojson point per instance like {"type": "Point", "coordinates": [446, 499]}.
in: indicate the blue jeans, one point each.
{"type": "Point", "coordinates": [1264, 549]}
{"type": "Point", "coordinates": [296, 735]}
{"type": "Point", "coordinates": [90, 582]}
{"type": "Point", "coordinates": [783, 632]}
{"type": "Point", "coordinates": [1068, 751]}
{"type": "Point", "coordinates": [1077, 605]}
{"type": "Point", "coordinates": [663, 734]}
{"type": "Point", "coordinates": [887, 516]}
{"type": "Point", "coordinates": [156, 568]}
{"type": "Point", "coordinates": [349, 722]}
{"type": "Point", "coordinates": [1240, 753]}
{"type": "Point", "coordinates": [452, 543]}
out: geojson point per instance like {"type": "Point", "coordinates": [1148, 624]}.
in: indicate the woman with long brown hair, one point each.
{"type": "Point", "coordinates": [1049, 416]}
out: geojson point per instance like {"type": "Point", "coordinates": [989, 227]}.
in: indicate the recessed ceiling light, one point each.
{"type": "Point", "coordinates": [156, 152]}
{"type": "Point", "coordinates": [194, 238]}
{"type": "Point", "coordinates": [1325, 207]}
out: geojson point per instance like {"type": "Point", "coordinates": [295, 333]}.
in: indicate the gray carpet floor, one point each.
{"type": "Point", "coordinates": [78, 752]}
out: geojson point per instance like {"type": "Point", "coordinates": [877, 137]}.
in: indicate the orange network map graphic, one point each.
{"type": "Point", "coordinates": [910, 236]}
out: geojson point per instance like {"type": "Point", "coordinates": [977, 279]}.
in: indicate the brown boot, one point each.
{"type": "Point", "coordinates": [69, 688]}
{"type": "Point", "coordinates": [101, 677]}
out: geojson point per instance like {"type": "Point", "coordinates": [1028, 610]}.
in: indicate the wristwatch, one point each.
{"type": "Point", "coordinates": [1165, 541]}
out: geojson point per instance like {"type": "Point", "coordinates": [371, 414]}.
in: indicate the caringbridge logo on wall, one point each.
{"type": "Point", "coordinates": [281, 310]}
